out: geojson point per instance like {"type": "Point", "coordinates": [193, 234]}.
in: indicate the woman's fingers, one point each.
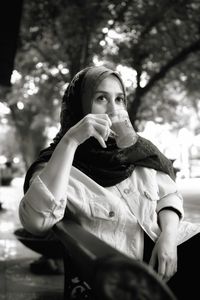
{"type": "Point", "coordinates": [102, 118]}
{"type": "Point", "coordinates": [162, 268]}
{"type": "Point", "coordinates": [166, 268]}
{"type": "Point", "coordinates": [97, 126]}
{"type": "Point", "coordinates": [153, 258]}
{"type": "Point", "coordinates": [101, 124]}
{"type": "Point", "coordinates": [103, 130]}
{"type": "Point", "coordinates": [171, 269]}
{"type": "Point", "coordinates": [99, 139]}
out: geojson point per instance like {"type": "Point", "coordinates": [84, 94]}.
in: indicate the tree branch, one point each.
{"type": "Point", "coordinates": [48, 59]}
{"type": "Point", "coordinates": [159, 15]}
{"type": "Point", "coordinates": [180, 57]}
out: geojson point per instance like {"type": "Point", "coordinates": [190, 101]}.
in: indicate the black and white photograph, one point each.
{"type": "Point", "coordinates": [99, 150]}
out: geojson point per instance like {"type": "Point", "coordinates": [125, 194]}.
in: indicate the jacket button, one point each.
{"type": "Point", "coordinates": [126, 191]}
{"type": "Point", "coordinates": [62, 202]}
{"type": "Point", "coordinates": [111, 213]}
{"type": "Point", "coordinates": [147, 195]}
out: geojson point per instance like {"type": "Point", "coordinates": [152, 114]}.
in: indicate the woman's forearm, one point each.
{"type": "Point", "coordinates": [168, 221]}
{"type": "Point", "coordinates": [55, 174]}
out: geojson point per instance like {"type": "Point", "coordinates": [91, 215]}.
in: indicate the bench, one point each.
{"type": "Point", "coordinates": [111, 274]}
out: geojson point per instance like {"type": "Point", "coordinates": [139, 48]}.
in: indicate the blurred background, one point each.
{"type": "Point", "coordinates": [155, 45]}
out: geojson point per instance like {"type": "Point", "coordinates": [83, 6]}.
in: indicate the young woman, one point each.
{"type": "Point", "coordinates": [125, 196]}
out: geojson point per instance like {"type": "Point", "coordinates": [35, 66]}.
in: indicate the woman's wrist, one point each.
{"type": "Point", "coordinates": [70, 140]}
{"type": "Point", "coordinates": [170, 230]}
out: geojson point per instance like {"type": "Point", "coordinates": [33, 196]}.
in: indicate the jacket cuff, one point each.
{"type": "Point", "coordinates": [170, 202]}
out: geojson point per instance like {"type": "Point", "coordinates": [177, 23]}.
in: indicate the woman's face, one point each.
{"type": "Point", "coordinates": [108, 97]}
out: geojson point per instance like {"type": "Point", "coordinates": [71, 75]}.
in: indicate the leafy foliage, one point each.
{"type": "Point", "coordinates": [160, 40]}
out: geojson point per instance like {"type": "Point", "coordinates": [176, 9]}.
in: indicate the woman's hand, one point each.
{"type": "Point", "coordinates": [92, 125]}
{"type": "Point", "coordinates": [164, 256]}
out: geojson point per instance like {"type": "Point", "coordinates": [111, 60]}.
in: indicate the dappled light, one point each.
{"type": "Point", "coordinates": [150, 45]}
{"type": "Point", "coordinates": [155, 48]}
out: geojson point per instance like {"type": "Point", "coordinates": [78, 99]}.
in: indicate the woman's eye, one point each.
{"type": "Point", "coordinates": [120, 99]}
{"type": "Point", "coordinates": [101, 98]}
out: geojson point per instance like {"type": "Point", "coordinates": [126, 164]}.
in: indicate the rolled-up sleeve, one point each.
{"type": "Point", "coordinates": [169, 196]}
{"type": "Point", "coordinates": [38, 209]}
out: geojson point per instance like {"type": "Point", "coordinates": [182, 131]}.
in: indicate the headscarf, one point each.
{"type": "Point", "coordinates": [107, 166]}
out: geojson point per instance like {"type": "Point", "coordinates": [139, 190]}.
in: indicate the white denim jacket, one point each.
{"type": "Point", "coordinates": [119, 215]}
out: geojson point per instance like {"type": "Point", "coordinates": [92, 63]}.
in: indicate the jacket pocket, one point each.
{"type": "Point", "coordinates": [150, 199]}
{"type": "Point", "coordinates": [104, 211]}
{"type": "Point", "coordinates": [150, 193]}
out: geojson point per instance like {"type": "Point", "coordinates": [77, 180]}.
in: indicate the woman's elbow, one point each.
{"type": "Point", "coordinates": [32, 222]}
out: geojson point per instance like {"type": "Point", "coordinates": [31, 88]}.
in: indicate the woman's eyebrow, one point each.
{"type": "Point", "coordinates": [104, 92]}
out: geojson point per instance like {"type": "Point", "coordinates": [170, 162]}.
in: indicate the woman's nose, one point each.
{"type": "Point", "coordinates": [112, 106]}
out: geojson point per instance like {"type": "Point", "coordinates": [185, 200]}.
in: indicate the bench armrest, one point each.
{"type": "Point", "coordinates": [111, 274]}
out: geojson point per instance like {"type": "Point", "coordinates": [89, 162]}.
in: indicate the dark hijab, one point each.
{"type": "Point", "coordinates": [107, 166]}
